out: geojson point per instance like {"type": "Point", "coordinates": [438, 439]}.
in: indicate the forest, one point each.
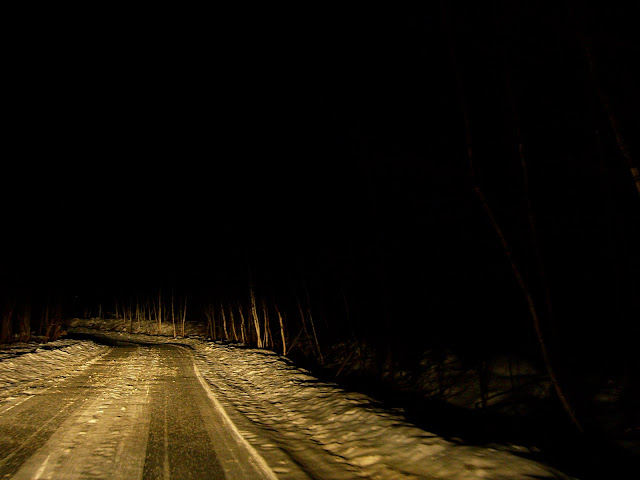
{"type": "Point", "coordinates": [453, 178]}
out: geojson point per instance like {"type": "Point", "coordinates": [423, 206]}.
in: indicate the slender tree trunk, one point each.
{"type": "Point", "coordinates": [535, 239]}
{"type": "Point", "coordinates": [268, 338]}
{"type": "Point", "coordinates": [605, 99]}
{"type": "Point", "coordinates": [210, 313]}
{"type": "Point", "coordinates": [242, 325]}
{"type": "Point", "coordinates": [533, 310]}
{"type": "Point", "coordinates": [282, 335]}
{"type": "Point", "coordinates": [44, 326]}
{"type": "Point", "coordinates": [315, 344]}
{"type": "Point", "coordinates": [159, 312]}
{"type": "Point", "coordinates": [130, 315]}
{"type": "Point", "coordinates": [224, 322]}
{"type": "Point", "coordinates": [315, 336]}
{"type": "Point", "coordinates": [233, 324]}
{"type": "Point", "coordinates": [614, 124]}
{"type": "Point", "coordinates": [173, 318]}
{"type": "Point", "coordinates": [7, 322]}
{"type": "Point", "coordinates": [25, 323]}
{"type": "Point", "coordinates": [184, 314]}
{"type": "Point", "coordinates": [138, 313]}
{"type": "Point", "coordinates": [304, 325]}
{"type": "Point", "coordinates": [256, 320]}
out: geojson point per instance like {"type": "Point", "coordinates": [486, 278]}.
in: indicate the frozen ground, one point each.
{"type": "Point", "coordinates": [301, 427]}
{"type": "Point", "coordinates": [343, 435]}
{"type": "Point", "coordinates": [24, 367]}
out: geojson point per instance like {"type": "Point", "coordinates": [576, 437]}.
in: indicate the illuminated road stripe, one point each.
{"type": "Point", "coordinates": [258, 461]}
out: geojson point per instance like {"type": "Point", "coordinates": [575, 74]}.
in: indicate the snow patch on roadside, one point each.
{"type": "Point", "coordinates": [25, 368]}
{"type": "Point", "coordinates": [379, 443]}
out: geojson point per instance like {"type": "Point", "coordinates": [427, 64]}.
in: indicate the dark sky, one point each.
{"type": "Point", "coordinates": [184, 147]}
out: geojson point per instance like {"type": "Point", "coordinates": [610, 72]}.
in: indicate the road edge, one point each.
{"type": "Point", "coordinates": [259, 461]}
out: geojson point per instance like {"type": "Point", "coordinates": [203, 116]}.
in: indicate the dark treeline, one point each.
{"type": "Point", "coordinates": [331, 171]}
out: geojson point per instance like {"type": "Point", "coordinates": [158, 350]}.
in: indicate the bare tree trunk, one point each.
{"type": "Point", "coordinates": [138, 313]}
{"type": "Point", "coordinates": [159, 311]}
{"type": "Point", "coordinates": [304, 325]}
{"type": "Point", "coordinates": [224, 322]}
{"type": "Point", "coordinates": [267, 328]}
{"type": "Point", "coordinates": [242, 325]}
{"type": "Point", "coordinates": [284, 341]}
{"type": "Point", "coordinates": [184, 314]}
{"type": "Point", "coordinates": [604, 98]}
{"type": "Point", "coordinates": [130, 315]}
{"type": "Point", "coordinates": [233, 324]}
{"type": "Point", "coordinates": [210, 314]}
{"type": "Point", "coordinates": [533, 311]}
{"type": "Point", "coordinates": [614, 124]}
{"type": "Point", "coordinates": [314, 344]}
{"type": "Point", "coordinates": [44, 325]}
{"type": "Point", "coordinates": [315, 337]}
{"type": "Point", "coordinates": [535, 239]}
{"type": "Point", "coordinates": [256, 320]}
{"type": "Point", "coordinates": [173, 318]}
{"type": "Point", "coordinates": [7, 322]}
{"type": "Point", "coordinates": [25, 323]}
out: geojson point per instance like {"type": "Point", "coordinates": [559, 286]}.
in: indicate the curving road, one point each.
{"type": "Point", "coordinates": [139, 412]}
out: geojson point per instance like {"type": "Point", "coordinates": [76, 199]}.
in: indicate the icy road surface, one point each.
{"type": "Point", "coordinates": [136, 412]}
{"type": "Point", "coordinates": [200, 410]}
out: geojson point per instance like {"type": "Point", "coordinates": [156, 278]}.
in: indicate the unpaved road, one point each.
{"type": "Point", "coordinates": [139, 412]}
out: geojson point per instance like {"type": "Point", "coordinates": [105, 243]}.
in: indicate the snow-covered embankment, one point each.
{"type": "Point", "coordinates": [295, 412]}
{"type": "Point", "coordinates": [31, 366]}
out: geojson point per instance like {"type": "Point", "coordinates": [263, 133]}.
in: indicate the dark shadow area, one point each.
{"type": "Point", "coordinates": [547, 433]}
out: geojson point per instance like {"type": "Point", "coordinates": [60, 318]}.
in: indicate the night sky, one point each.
{"type": "Point", "coordinates": [324, 147]}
